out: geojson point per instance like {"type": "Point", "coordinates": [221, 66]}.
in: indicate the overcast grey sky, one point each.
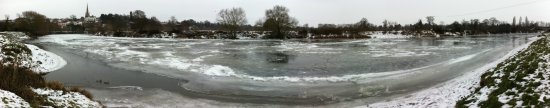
{"type": "Point", "coordinates": [311, 12]}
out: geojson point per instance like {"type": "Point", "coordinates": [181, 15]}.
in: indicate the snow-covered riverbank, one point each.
{"type": "Point", "coordinates": [225, 60]}
{"type": "Point", "coordinates": [519, 81]}
{"type": "Point", "coordinates": [13, 51]}
{"type": "Point", "coordinates": [48, 61]}
{"type": "Point", "coordinates": [11, 100]}
{"type": "Point", "coordinates": [41, 61]}
{"type": "Point", "coordinates": [56, 97]}
{"type": "Point", "coordinates": [67, 99]}
{"type": "Point", "coordinates": [448, 93]}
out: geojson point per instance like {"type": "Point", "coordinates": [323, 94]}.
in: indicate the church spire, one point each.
{"type": "Point", "coordinates": [87, 12]}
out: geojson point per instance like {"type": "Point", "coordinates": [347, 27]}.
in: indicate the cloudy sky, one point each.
{"type": "Point", "coordinates": [310, 12]}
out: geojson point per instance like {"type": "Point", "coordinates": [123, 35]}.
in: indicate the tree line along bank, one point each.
{"type": "Point", "coordinates": [232, 23]}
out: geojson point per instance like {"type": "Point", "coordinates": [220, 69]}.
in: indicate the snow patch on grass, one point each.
{"type": "Point", "coordinates": [46, 61]}
{"type": "Point", "coordinates": [40, 61]}
{"type": "Point", "coordinates": [445, 94]}
{"type": "Point", "coordinates": [67, 99]}
{"type": "Point", "coordinates": [520, 81]}
{"type": "Point", "coordinates": [10, 100]}
{"type": "Point", "coordinates": [380, 34]}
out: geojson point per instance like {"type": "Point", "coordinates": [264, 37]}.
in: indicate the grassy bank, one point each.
{"type": "Point", "coordinates": [18, 77]}
{"type": "Point", "coordinates": [520, 81]}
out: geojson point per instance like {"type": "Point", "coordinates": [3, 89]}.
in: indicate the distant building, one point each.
{"type": "Point", "coordinates": [87, 12]}
{"type": "Point", "coordinates": [334, 25]}
{"type": "Point", "coordinates": [63, 23]}
{"type": "Point", "coordinates": [89, 18]}
{"type": "Point", "coordinates": [327, 25]}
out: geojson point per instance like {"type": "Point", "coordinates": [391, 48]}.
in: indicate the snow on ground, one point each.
{"type": "Point", "coordinates": [10, 100]}
{"type": "Point", "coordinates": [41, 61]}
{"type": "Point", "coordinates": [127, 87]}
{"type": "Point", "coordinates": [445, 94]}
{"type": "Point", "coordinates": [521, 81]}
{"type": "Point", "coordinates": [380, 34]}
{"type": "Point", "coordinates": [158, 98]}
{"type": "Point", "coordinates": [46, 61]}
{"type": "Point", "coordinates": [20, 36]}
{"type": "Point", "coordinates": [397, 53]}
{"type": "Point", "coordinates": [67, 99]}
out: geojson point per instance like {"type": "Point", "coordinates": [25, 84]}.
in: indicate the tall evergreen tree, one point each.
{"type": "Point", "coordinates": [418, 26]}
{"type": "Point", "coordinates": [519, 23]}
{"type": "Point", "coordinates": [514, 21]}
{"type": "Point", "coordinates": [526, 21]}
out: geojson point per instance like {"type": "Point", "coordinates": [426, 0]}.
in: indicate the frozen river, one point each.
{"type": "Point", "coordinates": [303, 72]}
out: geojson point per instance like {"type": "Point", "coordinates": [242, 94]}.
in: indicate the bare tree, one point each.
{"type": "Point", "coordinates": [493, 21]}
{"type": "Point", "coordinates": [153, 26]}
{"type": "Point", "coordinates": [231, 20]}
{"type": "Point", "coordinates": [260, 23]}
{"type": "Point", "coordinates": [33, 22]}
{"type": "Point", "coordinates": [172, 25]}
{"type": "Point", "coordinates": [385, 24]}
{"type": "Point", "coordinates": [138, 14]}
{"type": "Point", "coordinates": [139, 21]}
{"type": "Point", "coordinates": [430, 20]}
{"type": "Point", "coordinates": [527, 23]}
{"type": "Point", "coordinates": [364, 24]}
{"type": "Point", "coordinates": [173, 20]}
{"type": "Point", "coordinates": [519, 21]}
{"type": "Point", "coordinates": [278, 21]}
{"type": "Point", "coordinates": [7, 22]}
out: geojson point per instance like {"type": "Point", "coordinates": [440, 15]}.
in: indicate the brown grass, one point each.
{"type": "Point", "coordinates": [81, 91]}
{"type": "Point", "coordinates": [56, 85]}
{"type": "Point", "coordinates": [20, 80]}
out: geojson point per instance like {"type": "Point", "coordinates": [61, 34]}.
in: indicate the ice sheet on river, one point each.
{"type": "Point", "coordinates": [213, 57]}
{"type": "Point", "coordinates": [295, 69]}
{"type": "Point", "coordinates": [448, 93]}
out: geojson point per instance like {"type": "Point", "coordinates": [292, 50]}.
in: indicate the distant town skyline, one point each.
{"type": "Point", "coordinates": [310, 12]}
